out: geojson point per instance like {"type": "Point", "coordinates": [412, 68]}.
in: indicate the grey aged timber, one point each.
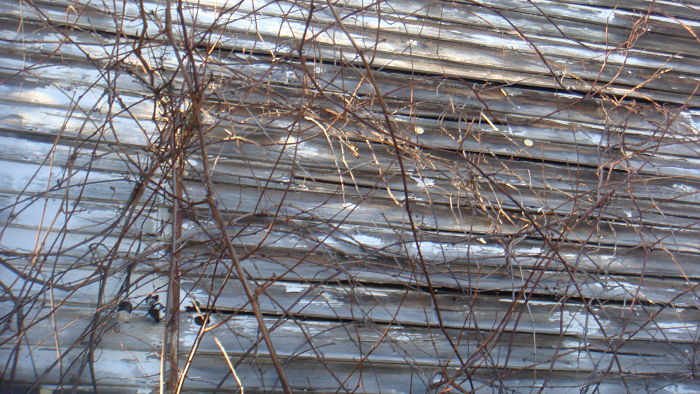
{"type": "Point", "coordinates": [407, 196]}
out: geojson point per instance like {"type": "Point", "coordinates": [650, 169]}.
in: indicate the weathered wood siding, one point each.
{"type": "Point", "coordinates": [490, 196]}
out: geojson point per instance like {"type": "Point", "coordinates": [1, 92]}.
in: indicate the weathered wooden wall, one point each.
{"type": "Point", "coordinates": [491, 195]}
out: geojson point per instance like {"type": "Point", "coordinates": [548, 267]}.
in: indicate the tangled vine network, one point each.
{"type": "Point", "coordinates": [349, 195]}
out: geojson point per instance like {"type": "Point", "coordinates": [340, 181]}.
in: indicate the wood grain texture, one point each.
{"type": "Point", "coordinates": [483, 61]}
{"type": "Point", "coordinates": [424, 196]}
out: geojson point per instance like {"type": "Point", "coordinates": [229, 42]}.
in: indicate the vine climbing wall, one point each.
{"type": "Point", "coordinates": [352, 195]}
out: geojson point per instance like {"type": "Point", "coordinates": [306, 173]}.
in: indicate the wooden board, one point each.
{"type": "Point", "coordinates": [357, 349]}
{"type": "Point", "coordinates": [425, 196]}
{"type": "Point", "coordinates": [425, 57]}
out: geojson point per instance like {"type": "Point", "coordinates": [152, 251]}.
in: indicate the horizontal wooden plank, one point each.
{"type": "Point", "coordinates": [423, 57]}
{"type": "Point", "coordinates": [387, 246]}
{"type": "Point", "coordinates": [507, 141]}
{"type": "Point", "coordinates": [73, 248]}
{"type": "Point", "coordinates": [56, 214]}
{"type": "Point", "coordinates": [211, 373]}
{"type": "Point", "coordinates": [346, 209]}
{"type": "Point", "coordinates": [601, 16]}
{"type": "Point", "coordinates": [515, 274]}
{"type": "Point", "coordinates": [511, 105]}
{"type": "Point", "coordinates": [641, 154]}
{"type": "Point", "coordinates": [666, 8]}
{"type": "Point", "coordinates": [601, 31]}
{"type": "Point", "coordinates": [499, 192]}
{"type": "Point", "coordinates": [365, 303]}
{"type": "Point", "coordinates": [309, 205]}
{"type": "Point", "coordinates": [372, 243]}
{"type": "Point", "coordinates": [459, 276]}
{"type": "Point", "coordinates": [139, 370]}
{"type": "Point", "coordinates": [367, 343]}
{"type": "Point", "coordinates": [309, 290]}
{"type": "Point", "coordinates": [432, 95]}
{"type": "Point", "coordinates": [322, 204]}
{"type": "Point", "coordinates": [100, 175]}
{"type": "Point", "coordinates": [456, 264]}
{"type": "Point", "coordinates": [71, 182]}
{"type": "Point", "coordinates": [512, 96]}
{"type": "Point", "coordinates": [483, 312]}
{"type": "Point", "coordinates": [680, 174]}
{"type": "Point", "coordinates": [556, 50]}
{"type": "Point", "coordinates": [413, 15]}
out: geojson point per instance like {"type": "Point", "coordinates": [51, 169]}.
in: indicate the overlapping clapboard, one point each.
{"type": "Point", "coordinates": [550, 164]}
